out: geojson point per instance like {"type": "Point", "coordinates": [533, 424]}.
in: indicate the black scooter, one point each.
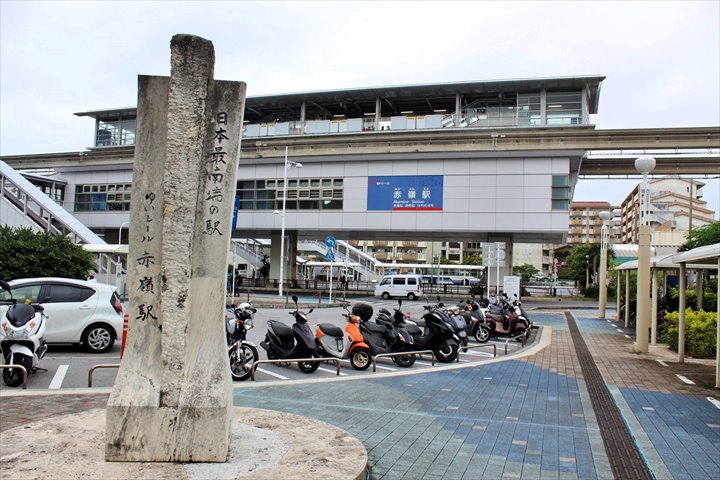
{"type": "Point", "coordinates": [438, 335]}
{"type": "Point", "coordinates": [285, 343]}
{"type": "Point", "coordinates": [386, 335]}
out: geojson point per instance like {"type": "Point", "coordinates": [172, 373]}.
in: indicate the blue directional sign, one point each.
{"type": "Point", "coordinates": [330, 256]}
{"type": "Point", "coordinates": [330, 241]}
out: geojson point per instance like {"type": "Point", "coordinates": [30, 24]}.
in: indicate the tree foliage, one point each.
{"type": "Point", "coordinates": [701, 236]}
{"type": "Point", "coordinates": [583, 257]}
{"type": "Point", "coordinates": [473, 259]}
{"type": "Point", "coordinates": [27, 254]}
{"type": "Point", "coordinates": [526, 271]}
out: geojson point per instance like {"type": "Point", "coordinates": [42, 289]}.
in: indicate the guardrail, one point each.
{"type": "Point", "coordinates": [469, 347]}
{"type": "Point", "coordinates": [524, 339]}
{"type": "Point", "coordinates": [22, 369]}
{"type": "Point", "coordinates": [293, 360]}
{"type": "Point", "coordinates": [95, 367]}
{"type": "Point", "coordinates": [400, 354]}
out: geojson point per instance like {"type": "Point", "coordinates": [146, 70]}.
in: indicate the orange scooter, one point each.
{"type": "Point", "coordinates": [333, 342]}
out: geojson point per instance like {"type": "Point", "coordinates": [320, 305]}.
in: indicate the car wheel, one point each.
{"type": "Point", "coordinates": [411, 296]}
{"type": "Point", "coordinates": [386, 295]}
{"type": "Point", "coordinates": [98, 338]}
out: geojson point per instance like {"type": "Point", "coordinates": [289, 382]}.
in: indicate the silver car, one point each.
{"type": "Point", "coordinates": [78, 311]}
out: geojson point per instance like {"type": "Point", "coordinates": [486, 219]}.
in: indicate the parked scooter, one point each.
{"type": "Point", "coordinates": [521, 313]}
{"type": "Point", "coordinates": [242, 353]}
{"type": "Point", "coordinates": [503, 321]}
{"type": "Point", "coordinates": [21, 337]}
{"type": "Point", "coordinates": [350, 344]}
{"type": "Point", "coordinates": [283, 342]}
{"type": "Point", "coordinates": [385, 335]}
{"type": "Point", "coordinates": [460, 325]}
{"type": "Point", "coordinates": [437, 333]}
{"type": "Point", "coordinates": [475, 321]}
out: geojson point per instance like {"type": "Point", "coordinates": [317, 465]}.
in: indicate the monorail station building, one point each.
{"type": "Point", "coordinates": [486, 161]}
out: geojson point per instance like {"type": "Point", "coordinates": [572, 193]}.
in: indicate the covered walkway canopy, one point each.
{"type": "Point", "coordinates": [701, 258]}
{"type": "Point", "coordinates": [708, 253]}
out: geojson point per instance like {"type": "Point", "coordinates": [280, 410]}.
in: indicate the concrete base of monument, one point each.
{"type": "Point", "coordinates": [265, 445]}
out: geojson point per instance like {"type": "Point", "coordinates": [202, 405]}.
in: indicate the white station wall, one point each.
{"type": "Point", "coordinates": [504, 195]}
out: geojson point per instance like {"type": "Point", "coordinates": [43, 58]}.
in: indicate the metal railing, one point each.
{"type": "Point", "coordinates": [294, 360]}
{"type": "Point", "coordinates": [524, 336]}
{"type": "Point", "coordinates": [22, 369]}
{"type": "Point", "coordinates": [400, 354]}
{"type": "Point", "coordinates": [95, 367]}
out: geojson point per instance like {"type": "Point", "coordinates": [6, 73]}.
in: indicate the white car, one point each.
{"type": "Point", "coordinates": [78, 311]}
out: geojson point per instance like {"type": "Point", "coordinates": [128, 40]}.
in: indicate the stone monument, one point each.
{"type": "Point", "coordinates": [172, 399]}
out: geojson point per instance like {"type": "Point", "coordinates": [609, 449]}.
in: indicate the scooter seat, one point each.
{"type": "Point", "coordinates": [373, 327]}
{"type": "Point", "coordinates": [413, 329]}
{"type": "Point", "coordinates": [332, 330]}
{"type": "Point", "coordinates": [420, 322]}
{"type": "Point", "coordinates": [281, 330]}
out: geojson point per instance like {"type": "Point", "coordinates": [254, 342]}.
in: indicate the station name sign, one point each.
{"type": "Point", "coordinates": [405, 193]}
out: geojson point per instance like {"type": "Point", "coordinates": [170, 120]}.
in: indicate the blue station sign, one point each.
{"type": "Point", "coordinates": [406, 193]}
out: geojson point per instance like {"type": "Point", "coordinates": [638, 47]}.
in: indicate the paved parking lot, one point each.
{"type": "Point", "coordinates": [527, 417]}
{"type": "Point", "coordinates": [68, 366]}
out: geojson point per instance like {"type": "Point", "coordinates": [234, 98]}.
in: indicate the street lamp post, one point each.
{"type": "Point", "coordinates": [643, 164]}
{"type": "Point", "coordinates": [605, 217]}
{"type": "Point", "coordinates": [288, 164]}
{"type": "Point", "coordinates": [120, 232]}
{"type": "Point", "coordinates": [587, 272]}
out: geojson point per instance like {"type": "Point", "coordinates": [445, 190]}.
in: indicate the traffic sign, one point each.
{"type": "Point", "coordinates": [330, 241]}
{"type": "Point", "coordinates": [330, 256]}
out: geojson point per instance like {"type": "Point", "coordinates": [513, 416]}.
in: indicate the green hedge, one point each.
{"type": "Point", "coordinates": [700, 332]}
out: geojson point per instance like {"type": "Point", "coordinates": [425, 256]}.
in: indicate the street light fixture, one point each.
{"type": "Point", "coordinates": [288, 164]}
{"type": "Point", "coordinates": [643, 164]}
{"type": "Point", "coordinates": [605, 217]}
{"type": "Point", "coordinates": [120, 232]}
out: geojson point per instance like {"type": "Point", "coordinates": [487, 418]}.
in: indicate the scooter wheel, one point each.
{"type": "Point", "coordinates": [360, 359]}
{"type": "Point", "coordinates": [482, 334]}
{"type": "Point", "coordinates": [404, 361]}
{"type": "Point", "coordinates": [14, 377]}
{"type": "Point", "coordinates": [308, 367]}
{"type": "Point", "coordinates": [446, 353]}
{"type": "Point", "coordinates": [241, 361]}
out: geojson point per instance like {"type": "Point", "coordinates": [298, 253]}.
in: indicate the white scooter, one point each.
{"type": "Point", "coordinates": [21, 337]}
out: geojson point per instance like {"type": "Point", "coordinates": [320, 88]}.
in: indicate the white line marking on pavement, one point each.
{"type": "Point", "coordinates": [334, 372]}
{"type": "Point", "coordinates": [614, 325]}
{"type": "Point", "coordinates": [619, 330]}
{"type": "Point", "coordinates": [272, 374]}
{"type": "Point", "coordinates": [386, 368]}
{"type": "Point", "coordinates": [59, 377]}
{"type": "Point", "coordinates": [661, 362]}
{"type": "Point", "coordinates": [685, 379]}
{"type": "Point", "coordinates": [627, 336]}
{"type": "Point", "coordinates": [714, 401]}
{"type": "Point", "coordinates": [478, 354]}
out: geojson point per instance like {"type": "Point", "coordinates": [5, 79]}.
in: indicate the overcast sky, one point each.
{"type": "Point", "coordinates": [661, 58]}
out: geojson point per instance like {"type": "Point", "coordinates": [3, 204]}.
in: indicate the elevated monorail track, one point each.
{"type": "Point", "coordinates": [452, 143]}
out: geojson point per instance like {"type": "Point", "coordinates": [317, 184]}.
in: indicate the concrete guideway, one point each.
{"type": "Point", "coordinates": [530, 417]}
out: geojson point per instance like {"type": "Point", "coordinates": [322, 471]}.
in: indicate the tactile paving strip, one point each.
{"type": "Point", "coordinates": [622, 452]}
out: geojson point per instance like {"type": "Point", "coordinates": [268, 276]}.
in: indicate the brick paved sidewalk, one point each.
{"type": "Point", "coordinates": [525, 418]}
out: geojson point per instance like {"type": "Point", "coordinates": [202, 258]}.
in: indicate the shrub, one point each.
{"type": "Point", "coordinates": [700, 328]}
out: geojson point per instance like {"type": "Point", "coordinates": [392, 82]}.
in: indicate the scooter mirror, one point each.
{"type": "Point", "coordinates": [5, 285]}
{"type": "Point", "coordinates": [399, 303]}
{"type": "Point", "coordinates": [311, 310]}
{"type": "Point", "coordinates": [294, 299]}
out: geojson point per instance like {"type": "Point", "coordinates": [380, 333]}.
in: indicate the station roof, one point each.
{"type": "Point", "coordinates": [420, 98]}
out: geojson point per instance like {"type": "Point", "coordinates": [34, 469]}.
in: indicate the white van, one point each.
{"type": "Point", "coordinates": [409, 286]}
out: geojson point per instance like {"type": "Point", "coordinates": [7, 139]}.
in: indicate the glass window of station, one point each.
{"type": "Point", "coordinates": [115, 131]}
{"type": "Point", "coordinates": [302, 194]}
